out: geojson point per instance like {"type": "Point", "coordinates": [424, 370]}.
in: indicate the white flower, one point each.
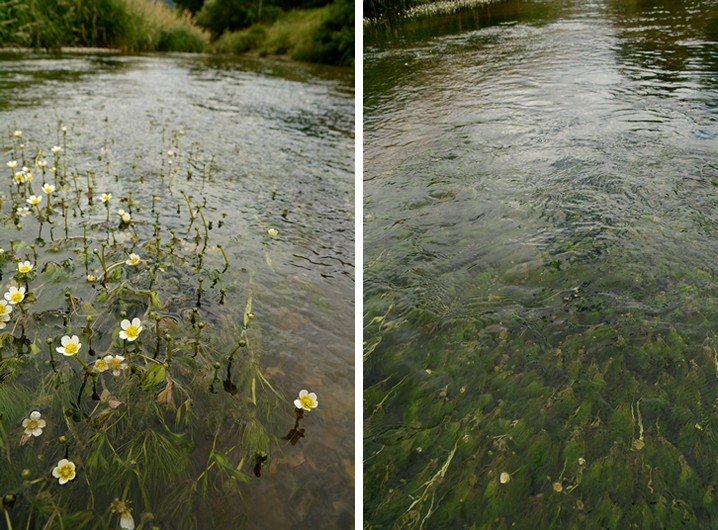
{"type": "Point", "coordinates": [115, 363]}
{"type": "Point", "coordinates": [170, 153]}
{"type": "Point", "coordinates": [15, 295]}
{"type": "Point", "coordinates": [42, 163]}
{"type": "Point", "coordinates": [130, 330]}
{"type": "Point", "coordinates": [126, 520]}
{"type": "Point", "coordinates": [53, 169]}
{"type": "Point", "coordinates": [306, 400]}
{"type": "Point", "coordinates": [126, 218]}
{"type": "Point", "coordinates": [56, 149]}
{"type": "Point", "coordinates": [5, 310]}
{"type": "Point", "coordinates": [48, 188]}
{"type": "Point", "coordinates": [34, 199]}
{"type": "Point", "coordinates": [28, 176]}
{"type": "Point", "coordinates": [24, 267]}
{"type": "Point", "coordinates": [18, 133]}
{"type": "Point", "coordinates": [12, 164]}
{"type": "Point", "coordinates": [65, 471]}
{"type": "Point", "coordinates": [557, 487]}
{"type": "Point", "coordinates": [91, 278]}
{"type": "Point", "coordinates": [581, 462]}
{"type": "Point", "coordinates": [272, 232]}
{"type": "Point", "coordinates": [134, 259]}
{"type": "Point", "coordinates": [121, 212]}
{"type": "Point", "coordinates": [64, 129]}
{"type": "Point", "coordinates": [100, 365]}
{"type": "Point", "coordinates": [106, 197]}
{"type": "Point", "coordinates": [70, 346]}
{"type": "Point", "coordinates": [22, 212]}
{"type": "Point", "coordinates": [19, 178]}
{"type": "Point", "coordinates": [504, 477]}
{"type": "Point", "coordinates": [34, 424]}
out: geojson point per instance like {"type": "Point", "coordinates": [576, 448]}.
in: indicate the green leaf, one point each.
{"type": "Point", "coordinates": [154, 376]}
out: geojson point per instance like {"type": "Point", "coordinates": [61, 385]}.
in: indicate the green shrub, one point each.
{"type": "Point", "coordinates": [219, 16]}
{"type": "Point", "coordinates": [332, 42]}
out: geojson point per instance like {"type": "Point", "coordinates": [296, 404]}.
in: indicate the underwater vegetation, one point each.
{"type": "Point", "coordinates": [131, 387]}
{"type": "Point", "coordinates": [568, 392]}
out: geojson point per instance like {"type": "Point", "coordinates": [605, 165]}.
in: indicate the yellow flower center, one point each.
{"type": "Point", "coordinates": [16, 297]}
{"type": "Point", "coordinates": [131, 332]}
{"type": "Point", "coordinates": [71, 348]}
{"type": "Point", "coordinates": [100, 364]}
{"type": "Point", "coordinates": [32, 424]}
{"type": "Point", "coordinates": [306, 402]}
{"type": "Point", "coordinates": [66, 472]}
{"type": "Point", "coordinates": [24, 268]}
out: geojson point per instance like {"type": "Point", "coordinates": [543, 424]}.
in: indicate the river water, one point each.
{"type": "Point", "coordinates": [540, 233]}
{"type": "Point", "coordinates": [258, 145]}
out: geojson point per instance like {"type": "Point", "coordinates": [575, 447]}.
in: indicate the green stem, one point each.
{"type": "Point", "coordinates": [81, 362]}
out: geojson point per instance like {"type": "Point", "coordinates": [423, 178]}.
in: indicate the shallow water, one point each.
{"type": "Point", "coordinates": [271, 145]}
{"type": "Point", "coordinates": [539, 197]}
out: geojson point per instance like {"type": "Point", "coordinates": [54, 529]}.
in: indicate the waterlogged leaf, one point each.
{"type": "Point", "coordinates": [226, 464]}
{"type": "Point", "coordinates": [154, 376]}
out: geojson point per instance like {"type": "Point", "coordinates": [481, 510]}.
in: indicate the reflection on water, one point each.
{"type": "Point", "coordinates": [539, 240]}
{"type": "Point", "coordinates": [261, 145]}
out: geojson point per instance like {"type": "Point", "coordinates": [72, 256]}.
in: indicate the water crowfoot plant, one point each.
{"type": "Point", "coordinates": [135, 420]}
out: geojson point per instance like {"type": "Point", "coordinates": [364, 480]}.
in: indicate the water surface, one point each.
{"type": "Point", "coordinates": [539, 196]}
{"type": "Point", "coordinates": [261, 145]}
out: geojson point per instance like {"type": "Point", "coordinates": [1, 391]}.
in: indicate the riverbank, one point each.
{"type": "Point", "coordinates": [320, 35]}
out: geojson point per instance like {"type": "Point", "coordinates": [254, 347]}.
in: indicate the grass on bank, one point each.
{"type": "Point", "coordinates": [131, 25]}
